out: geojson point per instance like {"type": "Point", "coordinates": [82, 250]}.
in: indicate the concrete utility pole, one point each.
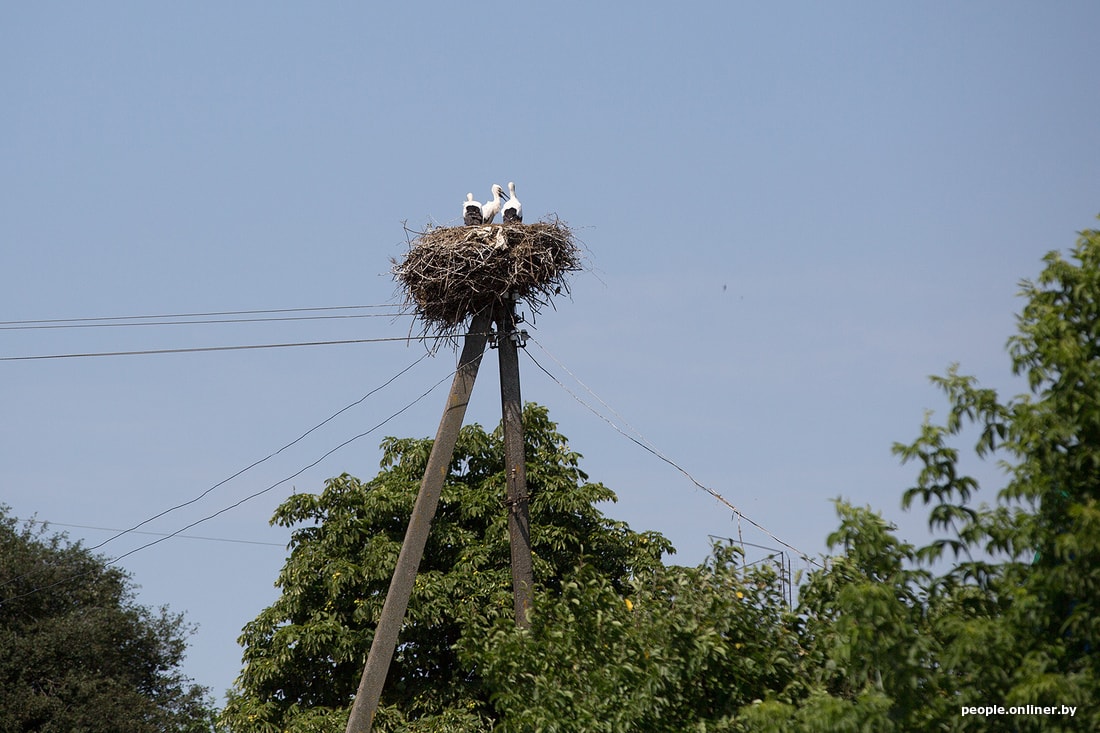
{"type": "Point", "coordinates": [519, 523]}
{"type": "Point", "coordinates": [412, 549]}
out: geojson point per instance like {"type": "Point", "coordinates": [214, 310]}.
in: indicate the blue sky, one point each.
{"type": "Point", "coordinates": [793, 213]}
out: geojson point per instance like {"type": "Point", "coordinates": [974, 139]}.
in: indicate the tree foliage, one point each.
{"type": "Point", "coordinates": [1013, 619]}
{"type": "Point", "coordinates": [304, 654]}
{"type": "Point", "coordinates": [77, 653]}
{"type": "Point", "coordinates": [1039, 597]}
{"type": "Point", "coordinates": [682, 649]}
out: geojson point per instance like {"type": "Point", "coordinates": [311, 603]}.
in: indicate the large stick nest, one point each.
{"type": "Point", "coordinates": [451, 273]}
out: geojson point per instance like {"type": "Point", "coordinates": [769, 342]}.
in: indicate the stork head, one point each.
{"type": "Point", "coordinates": [469, 197]}
{"type": "Point", "coordinates": [511, 189]}
{"type": "Point", "coordinates": [497, 190]}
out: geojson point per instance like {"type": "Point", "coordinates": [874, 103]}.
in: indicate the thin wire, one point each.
{"type": "Point", "coordinates": [194, 315]}
{"type": "Point", "coordinates": [294, 475]}
{"type": "Point", "coordinates": [598, 398]}
{"type": "Point", "coordinates": [646, 445]}
{"type": "Point", "coordinates": [231, 506]}
{"type": "Point", "coordinates": [249, 467]}
{"type": "Point", "coordinates": [160, 534]}
{"type": "Point", "coordinates": [37, 326]}
{"type": "Point", "coordinates": [199, 349]}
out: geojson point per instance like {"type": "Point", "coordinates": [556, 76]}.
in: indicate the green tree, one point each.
{"type": "Point", "coordinates": [866, 657]}
{"type": "Point", "coordinates": [1015, 618]}
{"type": "Point", "coordinates": [77, 653]}
{"type": "Point", "coordinates": [1036, 577]}
{"type": "Point", "coordinates": [303, 655]}
{"type": "Point", "coordinates": [683, 650]}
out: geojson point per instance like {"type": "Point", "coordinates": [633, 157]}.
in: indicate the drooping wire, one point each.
{"type": "Point", "coordinates": [206, 314]}
{"type": "Point", "coordinates": [46, 523]}
{"type": "Point", "coordinates": [112, 561]}
{"type": "Point", "coordinates": [275, 453]}
{"type": "Point", "coordinates": [269, 456]}
{"type": "Point", "coordinates": [643, 443]}
{"type": "Point", "coordinates": [249, 467]}
{"type": "Point", "coordinates": [36, 325]}
{"type": "Point", "coordinates": [292, 476]}
{"type": "Point", "coordinates": [198, 349]}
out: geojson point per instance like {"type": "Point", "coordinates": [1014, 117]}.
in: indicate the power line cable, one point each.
{"type": "Point", "coordinates": [159, 534]}
{"type": "Point", "coordinates": [197, 522]}
{"type": "Point", "coordinates": [200, 349]}
{"type": "Point", "coordinates": [204, 314]}
{"type": "Point", "coordinates": [38, 326]}
{"type": "Point", "coordinates": [249, 467]}
{"type": "Point", "coordinates": [643, 443]}
{"type": "Point", "coordinates": [294, 475]}
{"type": "Point", "coordinates": [270, 456]}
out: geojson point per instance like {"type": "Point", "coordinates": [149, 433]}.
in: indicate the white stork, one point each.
{"type": "Point", "coordinates": [471, 211]}
{"type": "Point", "coordinates": [513, 210]}
{"type": "Point", "coordinates": [490, 209]}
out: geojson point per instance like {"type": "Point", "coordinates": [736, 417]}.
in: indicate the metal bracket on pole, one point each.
{"type": "Point", "coordinates": [517, 337]}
